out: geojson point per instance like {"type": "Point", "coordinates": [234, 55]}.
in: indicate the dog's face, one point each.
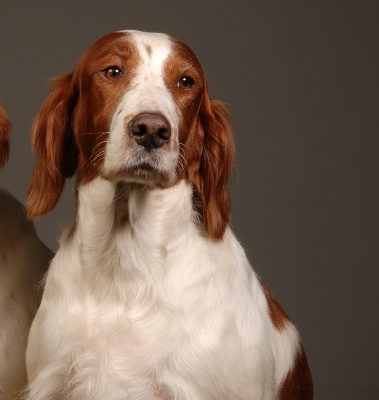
{"type": "Point", "coordinates": [5, 128]}
{"type": "Point", "coordinates": [135, 109]}
{"type": "Point", "coordinates": [159, 85]}
{"type": "Point", "coordinates": [135, 99]}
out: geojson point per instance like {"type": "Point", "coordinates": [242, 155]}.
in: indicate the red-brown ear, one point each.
{"type": "Point", "coordinates": [5, 129]}
{"type": "Point", "coordinates": [212, 181]}
{"type": "Point", "coordinates": [54, 144]}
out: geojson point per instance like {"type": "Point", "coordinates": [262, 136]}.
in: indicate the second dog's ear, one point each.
{"type": "Point", "coordinates": [55, 148]}
{"type": "Point", "coordinates": [5, 128]}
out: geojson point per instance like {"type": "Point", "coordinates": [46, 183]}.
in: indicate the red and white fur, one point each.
{"type": "Point", "coordinates": [150, 295]}
{"type": "Point", "coordinates": [23, 261]}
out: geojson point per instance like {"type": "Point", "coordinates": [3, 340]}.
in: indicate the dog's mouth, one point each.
{"type": "Point", "coordinates": [143, 170]}
{"type": "Point", "coordinates": [136, 164]}
{"type": "Point", "coordinates": [146, 168]}
{"type": "Point", "coordinates": [143, 173]}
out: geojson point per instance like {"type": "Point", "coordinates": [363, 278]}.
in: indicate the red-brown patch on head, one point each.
{"type": "Point", "coordinates": [182, 63]}
{"type": "Point", "coordinates": [298, 384]}
{"type": "Point", "coordinates": [5, 128]}
{"type": "Point", "coordinates": [205, 136]}
{"type": "Point", "coordinates": [99, 96]}
{"type": "Point", "coordinates": [70, 132]}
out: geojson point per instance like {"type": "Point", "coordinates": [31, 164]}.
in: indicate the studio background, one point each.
{"type": "Point", "coordinates": [301, 82]}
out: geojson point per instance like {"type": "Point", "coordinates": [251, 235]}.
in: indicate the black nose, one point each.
{"type": "Point", "coordinates": [150, 130]}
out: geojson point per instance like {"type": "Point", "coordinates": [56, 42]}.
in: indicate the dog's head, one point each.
{"type": "Point", "coordinates": [135, 109]}
{"type": "Point", "coordinates": [5, 128]}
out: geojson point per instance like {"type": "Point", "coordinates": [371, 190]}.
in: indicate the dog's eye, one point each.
{"type": "Point", "coordinates": [186, 82]}
{"type": "Point", "coordinates": [113, 73]}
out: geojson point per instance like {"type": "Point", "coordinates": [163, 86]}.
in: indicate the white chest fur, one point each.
{"type": "Point", "coordinates": [139, 304]}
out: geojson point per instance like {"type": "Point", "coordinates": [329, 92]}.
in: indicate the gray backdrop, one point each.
{"type": "Point", "coordinates": [301, 82]}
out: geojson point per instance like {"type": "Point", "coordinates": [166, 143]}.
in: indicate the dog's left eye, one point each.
{"type": "Point", "coordinates": [186, 82]}
{"type": "Point", "coordinates": [112, 73]}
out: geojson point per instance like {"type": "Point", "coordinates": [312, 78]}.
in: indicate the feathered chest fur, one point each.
{"type": "Point", "coordinates": [151, 293]}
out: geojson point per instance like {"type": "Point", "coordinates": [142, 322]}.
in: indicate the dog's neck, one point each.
{"type": "Point", "coordinates": [126, 230]}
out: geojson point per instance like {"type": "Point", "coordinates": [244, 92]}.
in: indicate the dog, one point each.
{"type": "Point", "coordinates": [23, 262]}
{"type": "Point", "coordinates": [150, 295]}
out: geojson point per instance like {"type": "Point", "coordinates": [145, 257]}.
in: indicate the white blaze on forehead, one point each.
{"type": "Point", "coordinates": [149, 84]}
{"type": "Point", "coordinates": [153, 48]}
{"type": "Point", "coordinates": [148, 91]}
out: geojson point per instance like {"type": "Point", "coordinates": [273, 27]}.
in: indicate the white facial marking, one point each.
{"type": "Point", "coordinates": [147, 93]}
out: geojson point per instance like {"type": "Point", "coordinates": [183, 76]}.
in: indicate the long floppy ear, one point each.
{"type": "Point", "coordinates": [54, 144]}
{"type": "Point", "coordinates": [5, 129]}
{"type": "Point", "coordinates": [215, 168]}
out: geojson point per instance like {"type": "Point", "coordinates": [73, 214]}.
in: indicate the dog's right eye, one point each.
{"type": "Point", "coordinates": [112, 73]}
{"type": "Point", "coordinates": [186, 82]}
